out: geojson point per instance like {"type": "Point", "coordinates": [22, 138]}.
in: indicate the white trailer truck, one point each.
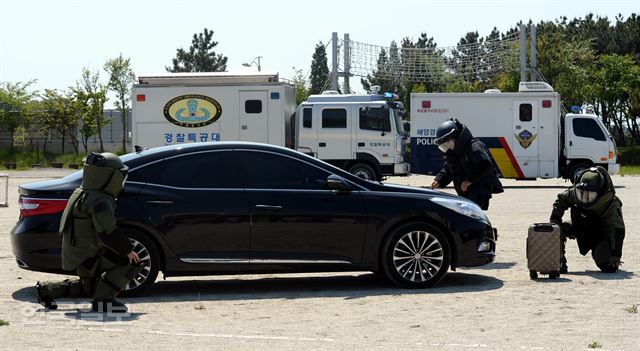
{"type": "Point", "coordinates": [359, 133]}
{"type": "Point", "coordinates": [525, 131]}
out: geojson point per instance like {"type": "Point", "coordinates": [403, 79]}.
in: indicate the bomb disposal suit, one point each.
{"type": "Point", "coordinates": [596, 217]}
{"type": "Point", "coordinates": [92, 243]}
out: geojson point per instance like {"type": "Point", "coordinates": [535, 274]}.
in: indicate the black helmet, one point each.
{"type": "Point", "coordinates": [448, 130]}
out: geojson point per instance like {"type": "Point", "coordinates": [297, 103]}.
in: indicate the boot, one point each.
{"type": "Point", "coordinates": [108, 306]}
{"type": "Point", "coordinates": [563, 268]}
{"type": "Point", "coordinates": [45, 300]}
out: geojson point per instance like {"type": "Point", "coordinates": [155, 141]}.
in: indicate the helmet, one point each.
{"type": "Point", "coordinates": [104, 172]}
{"type": "Point", "coordinates": [589, 186]}
{"type": "Point", "coordinates": [446, 134]}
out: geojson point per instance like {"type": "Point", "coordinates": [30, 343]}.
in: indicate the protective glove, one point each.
{"type": "Point", "coordinates": [614, 261]}
{"type": "Point", "coordinates": [555, 220]}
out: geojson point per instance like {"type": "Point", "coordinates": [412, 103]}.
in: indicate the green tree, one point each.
{"type": "Point", "coordinates": [615, 87]}
{"type": "Point", "coordinates": [319, 70]}
{"type": "Point", "coordinates": [200, 57]}
{"type": "Point", "coordinates": [121, 78]}
{"type": "Point", "coordinates": [95, 97]}
{"type": "Point", "coordinates": [14, 98]}
{"type": "Point", "coordinates": [299, 81]}
{"type": "Point", "coordinates": [61, 115]}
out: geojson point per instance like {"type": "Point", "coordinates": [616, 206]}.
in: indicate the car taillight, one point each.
{"type": "Point", "coordinates": [38, 206]}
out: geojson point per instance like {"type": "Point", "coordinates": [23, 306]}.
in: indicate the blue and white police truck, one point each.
{"type": "Point", "coordinates": [525, 132]}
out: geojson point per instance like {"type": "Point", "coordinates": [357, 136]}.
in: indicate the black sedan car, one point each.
{"type": "Point", "coordinates": [231, 208]}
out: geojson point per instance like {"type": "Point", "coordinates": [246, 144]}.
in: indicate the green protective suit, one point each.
{"type": "Point", "coordinates": [598, 226]}
{"type": "Point", "coordinates": [92, 244]}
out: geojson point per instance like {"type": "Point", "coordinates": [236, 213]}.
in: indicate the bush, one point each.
{"type": "Point", "coordinates": [25, 159]}
{"type": "Point", "coordinates": [629, 156]}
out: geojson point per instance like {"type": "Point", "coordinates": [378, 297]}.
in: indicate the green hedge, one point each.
{"type": "Point", "coordinates": [26, 159]}
{"type": "Point", "coordinates": [629, 156]}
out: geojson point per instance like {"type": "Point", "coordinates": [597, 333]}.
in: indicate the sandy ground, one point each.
{"type": "Point", "coordinates": [495, 307]}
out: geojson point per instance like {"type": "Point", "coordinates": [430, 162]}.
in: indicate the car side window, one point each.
{"type": "Point", "coordinates": [264, 170]}
{"type": "Point", "coordinates": [217, 169]}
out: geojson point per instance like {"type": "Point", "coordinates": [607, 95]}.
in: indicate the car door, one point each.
{"type": "Point", "coordinates": [296, 219]}
{"type": "Point", "coordinates": [197, 204]}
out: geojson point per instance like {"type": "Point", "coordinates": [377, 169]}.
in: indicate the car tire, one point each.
{"type": "Point", "coordinates": [363, 171]}
{"type": "Point", "coordinates": [149, 256]}
{"type": "Point", "coordinates": [577, 169]}
{"type": "Point", "coordinates": [416, 255]}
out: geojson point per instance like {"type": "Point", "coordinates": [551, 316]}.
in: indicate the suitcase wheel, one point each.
{"type": "Point", "coordinates": [533, 274]}
{"type": "Point", "coordinates": [554, 275]}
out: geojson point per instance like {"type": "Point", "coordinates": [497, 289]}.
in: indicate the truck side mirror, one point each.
{"type": "Point", "coordinates": [335, 182]}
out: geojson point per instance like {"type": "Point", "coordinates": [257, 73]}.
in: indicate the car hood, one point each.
{"type": "Point", "coordinates": [397, 188]}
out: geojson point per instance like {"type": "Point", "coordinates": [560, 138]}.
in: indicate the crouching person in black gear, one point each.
{"type": "Point", "coordinates": [467, 162]}
{"type": "Point", "coordinates": [92, 243]}
{"type": "Point", "coordinates": [596, 218]}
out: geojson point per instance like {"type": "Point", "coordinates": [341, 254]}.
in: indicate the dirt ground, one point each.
{"type": "Point", "coordinates": [495, 307]}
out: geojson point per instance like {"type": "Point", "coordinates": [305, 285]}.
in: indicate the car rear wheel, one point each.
{"type": "Point", "coordinates": [416, 255]}
{"type": "Point", "coordinates": [149, 258]}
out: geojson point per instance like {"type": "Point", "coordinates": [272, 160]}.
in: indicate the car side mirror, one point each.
{"type": "Point", "coordinates": [335, 182]}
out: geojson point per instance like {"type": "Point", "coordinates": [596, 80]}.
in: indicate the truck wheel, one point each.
{"type": "Point", "coordinates": [577, 169]}
{"type": "Point", "coordinates": [363, 171]}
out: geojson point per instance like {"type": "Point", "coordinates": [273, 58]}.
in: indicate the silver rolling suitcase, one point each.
{"type": "Point", "coordinates": [544, 250]}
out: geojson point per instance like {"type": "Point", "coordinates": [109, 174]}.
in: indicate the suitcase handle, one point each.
{"type": "Point", "coordinates": [543, 227]}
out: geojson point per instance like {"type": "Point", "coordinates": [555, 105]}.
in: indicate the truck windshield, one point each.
{"type": "Point", "coordinates": [396, 115]}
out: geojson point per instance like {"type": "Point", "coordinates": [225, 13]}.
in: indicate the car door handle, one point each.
{"type": "Point", "coordinates": [322, 144]}
{"type": "Point", "coordinates": [360, 144]}
{"type": "Point", "coordinates": [268, 207]}
{"type": "Point", "coordinates": [160, 203]}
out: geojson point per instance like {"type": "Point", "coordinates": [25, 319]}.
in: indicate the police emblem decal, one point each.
{"type": "Point", "coordinates": [525, 138]}
{"type": "Point", "coordinates": [192, 110]}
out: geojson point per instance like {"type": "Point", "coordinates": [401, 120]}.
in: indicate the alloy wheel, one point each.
{"type": "Point", "coordinates": [418, 256]}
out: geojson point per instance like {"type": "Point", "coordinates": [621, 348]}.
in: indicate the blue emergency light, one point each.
{"type": "Point", "coordinates": [576, 109]}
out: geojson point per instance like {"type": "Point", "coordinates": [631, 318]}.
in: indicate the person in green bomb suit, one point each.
{"type": "Point", "coordinates": [92, 244]}
{"type": "Point", "coordinates": [596, 218]}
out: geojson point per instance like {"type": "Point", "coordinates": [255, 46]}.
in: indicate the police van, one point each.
{"type": "Point", "coordinates": [359, 133]}
{"type": "Point", "coordinates": [525, 132]}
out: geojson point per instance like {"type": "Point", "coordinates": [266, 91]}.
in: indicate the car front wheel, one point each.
{"type": "Point", "coordinates": [416, 255]}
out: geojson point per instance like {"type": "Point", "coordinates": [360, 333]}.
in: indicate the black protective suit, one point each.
{"type": "Point", "coordinates": [470, 160]}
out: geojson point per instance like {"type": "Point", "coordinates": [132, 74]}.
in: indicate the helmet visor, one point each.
{"type": "Point", "coordinates": [586, 197]}
{"type": "Point", "coordinates": [447, 145]}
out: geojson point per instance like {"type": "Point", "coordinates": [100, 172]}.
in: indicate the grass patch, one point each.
{"type": "Point", "coordinates": [632, 309]}
{"type": "Point", "coordinates": [26, 159]}
{"type": "Point", "coordinates": [594, 345]}
{"type": "Point", "coordinates": [3, 323]}
{"type": "Point", "coordinates": [629, 170]}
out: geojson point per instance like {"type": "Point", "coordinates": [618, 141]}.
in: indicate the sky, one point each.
{"type": "Point", "coordinates": [51, 41]}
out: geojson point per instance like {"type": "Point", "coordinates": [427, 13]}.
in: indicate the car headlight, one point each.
{"type": "Point", "coordinates": [462, 206]}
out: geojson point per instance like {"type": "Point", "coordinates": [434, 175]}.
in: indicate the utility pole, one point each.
{"type": "Point", "coordinates": [334, 61]}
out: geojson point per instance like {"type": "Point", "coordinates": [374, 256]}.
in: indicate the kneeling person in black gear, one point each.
{"type": "Point", "coordinates": [92, 244]}
{"type": "Point", "coordinates": [467, 162]}
{"type": "Point", "coordinates": [596, 218]}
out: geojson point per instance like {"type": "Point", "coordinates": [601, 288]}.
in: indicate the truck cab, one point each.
{"type": "Point", "coordinates": [363, 134]}
{"type": "Point", "coordinates": [587, 142]}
